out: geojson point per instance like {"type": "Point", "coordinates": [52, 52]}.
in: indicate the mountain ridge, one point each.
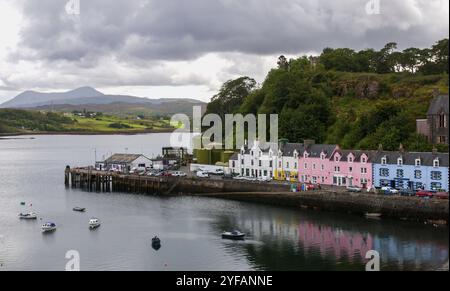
{"type": "Point", "coordinates": [80, 96]}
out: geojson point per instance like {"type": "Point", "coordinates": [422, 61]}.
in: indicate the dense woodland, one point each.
{"type": "Point", "coordinates": [357, 99]}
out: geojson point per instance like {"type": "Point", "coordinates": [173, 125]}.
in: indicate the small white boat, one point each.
{"type": "Point", "coordinates": [373, 215]}
{"type": "Point", "coordinates": [94, 223]}
{"type": "Point", "coordinates": [48, 227]}
{"type": "Point", "coordinates": [234, 235]}
{"type": "Point", "coordinates": [30, 215]}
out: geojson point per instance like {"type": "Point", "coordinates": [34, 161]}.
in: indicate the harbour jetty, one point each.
{"type": "Point", "coordinates": [434, 211]}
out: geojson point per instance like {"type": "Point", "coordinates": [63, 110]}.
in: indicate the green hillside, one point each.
{"type": "Point", "coordinates": [355, 99]}
{"type": "Point", "coordinates": [16, 121]}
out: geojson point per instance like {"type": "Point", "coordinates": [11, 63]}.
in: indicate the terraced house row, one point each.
{"type": "Point", "coordinates": [326, 164]}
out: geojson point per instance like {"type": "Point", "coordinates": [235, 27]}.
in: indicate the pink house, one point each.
{"type": "Point", "coordinates": [351, 168]}
{"type": "Point", "coordinates": [314, 163]}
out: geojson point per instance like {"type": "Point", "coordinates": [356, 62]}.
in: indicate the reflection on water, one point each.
{"type": "Point", "coordinates": [189, 227]}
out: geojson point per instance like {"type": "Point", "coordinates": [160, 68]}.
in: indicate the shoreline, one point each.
{"type": "Point", "coordinates": [124, 132]}
{"type": "Point", "coordinates": [432, 211]}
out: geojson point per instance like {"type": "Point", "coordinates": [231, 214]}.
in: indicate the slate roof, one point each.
{"type": "Point", "coordinates": [409, 158]}
{"type": "Point", "coordinates": [439, 103]}
{"type": "Point", "coordinates": [288, 148]}
{"type": "Point", "coordinates": [122, 158]}
{"type": "Point", "coordinates": [314, 150]}
{"type": "Point", "coordinates": [357, 154]}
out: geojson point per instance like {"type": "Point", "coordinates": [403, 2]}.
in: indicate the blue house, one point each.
{"type": "Point", "coordinates": [409, 170]}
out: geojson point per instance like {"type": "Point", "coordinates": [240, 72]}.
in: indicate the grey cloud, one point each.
{"type": "Point", "coordinates": [187, 29]}
{"type": "Point", "coordinates": [137, 42]}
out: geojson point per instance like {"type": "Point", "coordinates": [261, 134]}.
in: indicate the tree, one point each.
{"type": "Point", "coordinates": [385, 60]}
{"type": "Point", "coordinates": [231, 96]}
{"type": "Point", "coordinates": [283, 63]}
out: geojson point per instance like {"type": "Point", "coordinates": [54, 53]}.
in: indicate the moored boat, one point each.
{"type": "Point", "coordinates": [234, 235]}
{"type": "Point", "coordinates": [79, 209]}
{"type": "Point", "coordinates": [48, 227]}
{"type": "Point", "coordinates": [156, 241]}
{"type": "Point", "coordinates": [30, 215]}
{"type": "Point", "coordinates": [94, 223]}
{"type": "Point", "coordinates": [373, 215]}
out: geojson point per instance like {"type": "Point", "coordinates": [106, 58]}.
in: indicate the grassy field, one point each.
{"type": "Point", "coordinates": [106, 124]}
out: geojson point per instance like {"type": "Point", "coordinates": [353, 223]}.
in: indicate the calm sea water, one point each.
{"type": "Point", "coordinates": [31, 170]}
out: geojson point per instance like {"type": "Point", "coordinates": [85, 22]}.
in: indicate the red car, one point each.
{"type": "Point", "coordinates": [167, 174]}
{"type": "Point", "coordinates": [313, 187]}
{"type": "Point", "coordinates": [423, 193]}
{"type": "Point", "coordinates": [441, 195]}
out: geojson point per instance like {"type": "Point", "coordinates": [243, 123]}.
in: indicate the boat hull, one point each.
{"type": "Point", "coordinates": [28, 218]}
{"type": "Point", "coordinates": [233, 237]}
{"type": "Point", "coordinates": [49, 229]}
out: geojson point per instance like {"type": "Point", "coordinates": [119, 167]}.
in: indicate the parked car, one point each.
{"type": "Point", "coordinates": [441, 195]}
{"type": "Point", "coordinates": [264, 179]}
{"type": "Point", "coordinates": [228, 176]}
{"type": "Point", "coordinates": [389, 190]}
{"type": "Point", "coordinates": [354, 189]}
{"type": "Point", "coordinates": [312, 187]}
{"type": "Point", "coordinates": [407, 192]}
{"type": "Point", "coordinates": [218, 172]}
{"type": "Point", "coordinates": [424, 194]}
{"type": "Point", "coordinates": [179, 174]}
{"type": "Point", "coordinates": [201, 174]}
{"type": "Point", "coordinates": [166, 174]}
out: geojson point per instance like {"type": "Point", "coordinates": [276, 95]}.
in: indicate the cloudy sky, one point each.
{"type": "Point", "coordinates": [188, 48]}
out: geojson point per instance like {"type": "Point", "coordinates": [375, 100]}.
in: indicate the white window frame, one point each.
{"type": "Point", "coordinates": [418, 163]}
{"type": "Point", "coordinates": [436, 163]}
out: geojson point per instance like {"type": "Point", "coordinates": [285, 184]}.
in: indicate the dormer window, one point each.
{"type": "Point", "coordinates": [363, 159]}
{"type": "Point", "coordinates": [322, 156]}
{"type": "Point", "coordinates": [350, 159]}
{"type": "Point", "coordinates": [296, 154]}
{"type": "Point", "coordinates": [436, 163]}
{"type": "Point", "coordinates": [336, 158]}
{"type": "Point", "coordinates": [418, 162]}
{"type": "Point", "coordinates": [305, 155]}
{"type": "Point", "coordinates": [383, 160]}
{"type": "Point", "coordinates": [400, 161]}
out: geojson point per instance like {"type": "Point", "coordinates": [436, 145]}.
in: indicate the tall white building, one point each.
{"type": "Point", "coordinates": [257, 161]}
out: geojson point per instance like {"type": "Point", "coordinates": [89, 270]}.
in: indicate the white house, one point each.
{"type": "Point", "coordinates": [124, 163]}
{"type": "Point", "coordinates": [258, 161]}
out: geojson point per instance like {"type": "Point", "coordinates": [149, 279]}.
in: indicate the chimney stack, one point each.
{"type": "Point", "coordinates": [401, 148]}
{"type": "Point", "coordinates": [380, 147]}
{"type": "Point", "coordinates": [309, 142]}
{"type": "Point", "coordinates": [435, 151]}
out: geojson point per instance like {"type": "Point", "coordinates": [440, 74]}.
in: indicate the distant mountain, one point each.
{"type": "Point", "coordinates": [87, 98]}
{"type": "Point", "coordinates": [32, 98]}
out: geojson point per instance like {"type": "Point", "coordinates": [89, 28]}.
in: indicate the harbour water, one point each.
{"type": "Point", "coordinates": [31, 170]}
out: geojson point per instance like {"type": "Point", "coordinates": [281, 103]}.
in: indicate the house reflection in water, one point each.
{"type": "Point", "coordinates": [336, 242]}
{"type": "Point", "coordinates": [353, 246]}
